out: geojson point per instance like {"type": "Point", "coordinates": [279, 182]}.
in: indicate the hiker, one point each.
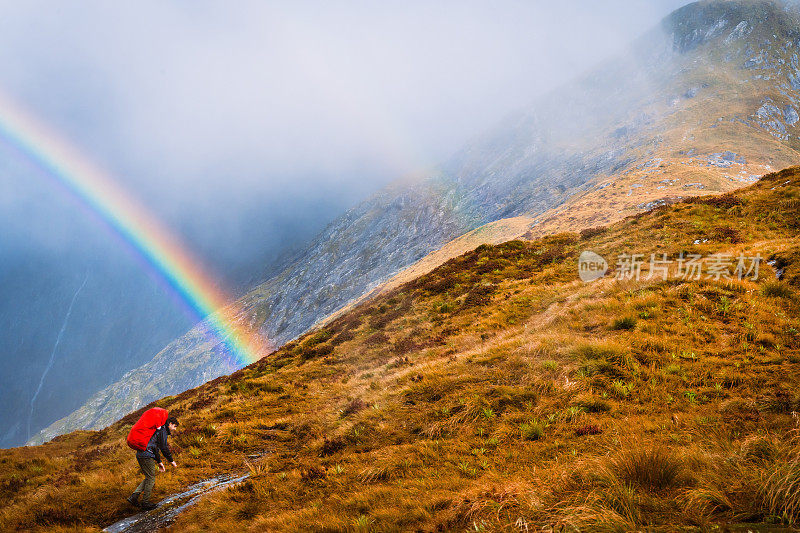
{"type": "Point", "coordinates": [148, 459]}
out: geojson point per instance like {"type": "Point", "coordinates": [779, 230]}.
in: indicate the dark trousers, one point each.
{"type": "Point", "coordinates": [148, 467]}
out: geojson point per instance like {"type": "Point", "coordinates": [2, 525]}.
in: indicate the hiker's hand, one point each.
{"type": "Point", "coordinates": [161, 467]}
{"type": "Point", "coordinates": [174, 464]}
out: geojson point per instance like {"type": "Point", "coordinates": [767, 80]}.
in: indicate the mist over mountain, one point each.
{"type": "Point", "coordinates": [246, 130]}
{"type": "Point", "coordinates": [585, 317]}
{"type": "Point", "coordinates": [706, 101]}
{"type": "Point", "coordinates": [499, 392]}
{"type": "Point", "coordinates": [123, 313]}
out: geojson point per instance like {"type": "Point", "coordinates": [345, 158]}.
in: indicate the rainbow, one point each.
{"type": "Point", "coordinates": [161, 250]}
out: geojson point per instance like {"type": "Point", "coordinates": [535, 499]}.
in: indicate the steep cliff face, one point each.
{"type": "Point", "coordinates": [707, 101]}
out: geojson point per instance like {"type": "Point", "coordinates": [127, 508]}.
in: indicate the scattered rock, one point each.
{"type": "Point", "coordinates": [741, 30]}
{"type": "Point", "coordinates": [754, 62]}
{"type": "Point", "coordinates": [725, 159]}
{"type": "Point", "coordinates": [651, 205]}
{"type": "Point", "coordinates": [691, 93]}
{"type": "Point", "coordinates": [790, 115]}
{"type": "Point", "coordinates": [794, 80]}
{"type": "Point", "coordinates": [767, 110]}
{"type": "Point", "coordinates": [770, 117]}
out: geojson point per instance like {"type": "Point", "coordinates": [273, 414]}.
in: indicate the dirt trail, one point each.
{"type": "Point", "coordinates": [170, 507]}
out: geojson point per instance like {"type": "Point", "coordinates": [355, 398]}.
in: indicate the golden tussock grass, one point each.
{"type": "Point", "coordinates": [496, 392]}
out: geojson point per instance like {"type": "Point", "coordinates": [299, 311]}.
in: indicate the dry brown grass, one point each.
{"type": "Point", "coordinates": [519, 406]}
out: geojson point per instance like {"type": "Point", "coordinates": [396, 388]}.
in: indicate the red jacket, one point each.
{"type": "Point", "coordinates": [157, 442]}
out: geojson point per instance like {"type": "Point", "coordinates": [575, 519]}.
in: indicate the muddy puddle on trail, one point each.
{"type": "Point", "coordinates": [170, 507]}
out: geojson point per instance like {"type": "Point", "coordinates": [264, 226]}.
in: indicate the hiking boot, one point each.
{"type": "Point", "coordinates": [133, 499]}
{"type": "Point", "coordinates": [148, 506]}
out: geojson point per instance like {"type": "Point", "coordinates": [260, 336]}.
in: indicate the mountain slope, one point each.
{"type": "Point", "coordinates": [708, 101]}
{"type": "Point", "coordinates": [498, 392]}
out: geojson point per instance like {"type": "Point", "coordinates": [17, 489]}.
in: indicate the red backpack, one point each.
{"type": "Point", "coordinates": [143, 429]}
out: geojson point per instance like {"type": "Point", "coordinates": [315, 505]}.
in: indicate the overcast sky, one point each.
{"type": "Point", "coordinates": [186, 100]}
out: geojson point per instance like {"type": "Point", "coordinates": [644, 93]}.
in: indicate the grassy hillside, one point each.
{"type": "Point", "coordinates": [496, 232]}
{"type": "Point", "coordinates": [712, 135]}
{"type": "Point", "coordinates": [497, 392]}
{"type": "Point", "coordinates": [704, 103]}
